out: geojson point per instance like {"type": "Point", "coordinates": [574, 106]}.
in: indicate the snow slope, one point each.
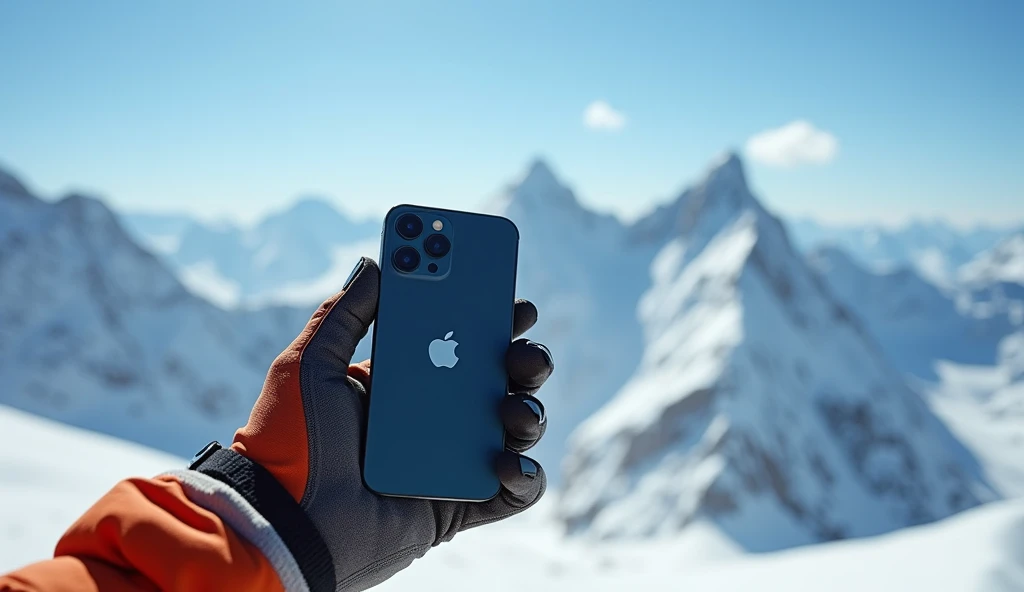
{"type": "Point", "coordinates": [984, 406]}
{"type": "Point", "coordinates": [50, 473]}
{"type": "Point", "coordinates": [980, 549]}
{"type": "Point", "coordinates": [96, 332]}
{"type": "Point", "coordinates": [283, 258]}
{"type": "Point", "coordinates": [760, 404]}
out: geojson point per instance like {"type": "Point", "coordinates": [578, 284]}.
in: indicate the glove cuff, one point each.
{"type": "Point", "coordinates": [273, 502]}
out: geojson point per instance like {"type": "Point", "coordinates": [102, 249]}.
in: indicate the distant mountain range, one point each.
{"type": "Point", "coordinates": [291, 256]}
{"type": "Point", "coordinates": [278, 260]}
{"type": "Point", "coordinates": [708, 372]}
{"type": "Point", "coordinates": [935, 250]}
{"type": "Point", "coordinates": [915, 321]}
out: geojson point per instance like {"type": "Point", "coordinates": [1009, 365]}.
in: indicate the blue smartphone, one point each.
{"type": "Point", "coordinates": [444, 323]}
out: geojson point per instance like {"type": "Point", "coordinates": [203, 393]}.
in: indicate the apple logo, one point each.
{"type": "Point", "coordinates": [442, 351]}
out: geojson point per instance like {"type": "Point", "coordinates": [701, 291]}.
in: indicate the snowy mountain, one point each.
{"type": "Point", "coordinates": [933, 249]}
{"type": "Point", "coordinates": [761, 407]}
{"type": "Point", "coordinates": [916, 323]}
{"type": "Point", "coordinates": [284, 258]}
{"type": "Point", "coordinates": [96, 332]}
{"type": "Point", "coordinates": [51, 475]}
{"type": "Point", "coordinates": [585, 278]}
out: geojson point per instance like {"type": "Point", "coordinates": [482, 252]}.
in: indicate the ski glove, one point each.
{"type": "Point", "coordinates": [306, 431]}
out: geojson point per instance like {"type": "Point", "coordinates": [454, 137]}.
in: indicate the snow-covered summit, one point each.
{"type": "Point", "coordinates": [308, 206]}
{"type": "Point", "coordinates": [539, 193]}
{"type": "Point", "coordinates": [723, 189]}
{"type": "Point", "coordinates": [540, 180]}
{"type": "Point", "coordinates": [760, 405]}
{"type": "Point", "coordinates": [727, 169]}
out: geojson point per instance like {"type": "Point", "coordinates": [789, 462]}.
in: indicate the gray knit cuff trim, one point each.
{"type": "Point", "coordinates": [217, 497]}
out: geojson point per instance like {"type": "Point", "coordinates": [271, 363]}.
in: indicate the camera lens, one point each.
{"type": "Point", "coordinates": [409, 226]}
{"type": "Point", "coordinates": [406, 259]}
{"type": "Point", "coordinates": [437, 245]}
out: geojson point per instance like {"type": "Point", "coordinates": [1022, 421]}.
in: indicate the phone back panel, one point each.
{"type": "Point", "coordinates": [434, 432]}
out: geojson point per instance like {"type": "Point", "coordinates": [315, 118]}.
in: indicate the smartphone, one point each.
{"type": "Point", "coordinates": [444, 323]}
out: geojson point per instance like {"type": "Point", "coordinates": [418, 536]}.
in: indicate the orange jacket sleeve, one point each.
{"type": "Point", "coordinates": [147, 534]}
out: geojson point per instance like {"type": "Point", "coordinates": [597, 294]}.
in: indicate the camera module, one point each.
{"type": "Point", "coordinates": [437, 245]}
{"type": "Point", "coordinates": [406, 259]}
{"type": "Point", "coordinates": [409, 226]}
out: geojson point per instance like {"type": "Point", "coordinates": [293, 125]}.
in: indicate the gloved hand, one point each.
{"type": "Point", "coordinates": [307, 430]}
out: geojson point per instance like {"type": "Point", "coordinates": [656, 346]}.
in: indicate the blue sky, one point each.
{"type": "Point", "coordinates": [234, 108]}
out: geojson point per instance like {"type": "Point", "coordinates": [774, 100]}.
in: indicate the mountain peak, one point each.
{"type": "Point", "coordinates": [757, 394]}
{"type": "Point", "coordinates": [727, 159]}
{"type": "Point", "coordinates": [720, 193]}
{"type": "Point", "coordinates": [11, 185]}
{"type": "Point", "coordinates": [313, 203]}
{"type": "Point", "coordinates": [76, 200]}
{"type": "Point", "coordinates": [307, 211]}
{"type": "Point", "coordinates": [726, 169]}
{"type": "Point", "coordinates": [537, 189]}
{"type": "Point", "coordinates": [539, 177]}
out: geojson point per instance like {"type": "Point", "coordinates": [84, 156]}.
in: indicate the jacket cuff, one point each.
{"type": "Point", "coordinates": [219, 498]}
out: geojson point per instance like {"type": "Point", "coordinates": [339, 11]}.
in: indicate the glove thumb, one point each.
{"type": "Point", "coordinates": [343, 319]}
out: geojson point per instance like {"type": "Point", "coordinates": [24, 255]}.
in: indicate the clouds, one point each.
{"type": "Point", "coordinates": [599, 115]}
{"type": "Point", "coordinates": [796, 143]}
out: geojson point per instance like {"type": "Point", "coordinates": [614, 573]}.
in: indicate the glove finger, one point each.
{"type": "Point", "coordinates": [529, 364]}
{"type": "Point", "coordinates": [523, 318]}
{"type": "Point", "coordinates": [521, 477]}
{"type": "Point", "coordinates": [343, 319]}
{"type": "Point", "coordinates": [523, 482]}
{"type": "Point", "coordinates": [525, 421]}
